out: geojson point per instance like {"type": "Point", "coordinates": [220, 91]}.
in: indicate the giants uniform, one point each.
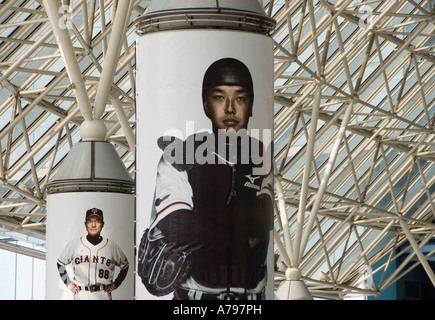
{"type": "Point", "coordinates": [231, 211]}
{"type": "Point", "coordinates": [93, 266]}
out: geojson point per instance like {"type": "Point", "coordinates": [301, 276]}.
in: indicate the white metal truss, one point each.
{"type": "Point", "coordinates": [354, 126]}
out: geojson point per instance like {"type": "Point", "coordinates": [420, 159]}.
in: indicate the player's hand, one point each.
{"type": "Point", "coordinates": [73, 288]}
{"type": "Point", "coordinates": [110, 288]}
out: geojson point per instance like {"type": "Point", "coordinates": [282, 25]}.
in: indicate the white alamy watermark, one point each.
{"type": "Point", "coordinates": [364, 11]}
{"type": "Point", "coordinates": [246, 146]}
{"type": "Point", "coordinates": [367, 17]}
{"type": "Point", "coordinates": [66, 15]}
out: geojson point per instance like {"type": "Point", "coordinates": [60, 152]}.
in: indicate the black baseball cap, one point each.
{"type": "Point", "coordinates": [227, 71]}
{"type": "Point", "coordinates": [94, 212]}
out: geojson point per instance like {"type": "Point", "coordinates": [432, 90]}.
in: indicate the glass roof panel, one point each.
{"type": "Point", "coordinates": [375, 57]}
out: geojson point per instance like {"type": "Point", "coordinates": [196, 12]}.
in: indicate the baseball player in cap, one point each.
{"type": "Point", "coordinates": [228, 95]}
{"type": "Point", "coordinates": [217, 211]}
{"type": "Point", "coordinates": [93, 259]}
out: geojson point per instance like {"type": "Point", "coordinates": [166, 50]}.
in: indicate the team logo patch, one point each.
{"type": "Point", "coordinates": [251, 183]}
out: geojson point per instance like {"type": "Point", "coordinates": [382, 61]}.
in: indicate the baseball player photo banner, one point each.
{"type": "Point", "coordinates": [90, 252]}
{"type": "Point", "coordinates": [204, 179]}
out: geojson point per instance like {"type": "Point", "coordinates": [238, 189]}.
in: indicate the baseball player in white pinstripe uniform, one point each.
{"type": "Point", "coordinates": [93, 259]}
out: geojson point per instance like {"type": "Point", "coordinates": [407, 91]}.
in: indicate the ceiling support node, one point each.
{"type": "Point", "coordinates": [94, 130]}
{"type": "Point", "coordinates": [354, 99]}
{"type": "Point", "coordinates": [293, 287]}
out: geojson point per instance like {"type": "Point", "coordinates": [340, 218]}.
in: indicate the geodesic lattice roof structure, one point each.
{"type": "Point", "coordinates": [354, 128]}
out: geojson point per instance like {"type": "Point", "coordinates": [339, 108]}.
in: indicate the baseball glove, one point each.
{"type": "Point", "coordinates": [161, 266]}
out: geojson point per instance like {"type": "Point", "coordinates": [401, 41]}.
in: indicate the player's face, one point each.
{"type": "Point", "coordinates": [228, 107]}
{"type": "Point", "coordinates": [94, 226]}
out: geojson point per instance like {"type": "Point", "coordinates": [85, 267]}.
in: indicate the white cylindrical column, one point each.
{"type": "Point", "coordinates": [205, 74]}
{"type": "Point", "coordinates": [90, 226]}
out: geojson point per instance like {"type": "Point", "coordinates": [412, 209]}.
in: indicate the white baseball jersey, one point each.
{"type": "Point", "coordinates": [173, 192]}
{"type": "Point", "coordinates": [93, 264]}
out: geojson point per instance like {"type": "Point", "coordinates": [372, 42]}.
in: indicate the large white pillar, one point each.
{"type": "Point", "coordinates": [179, 41]}
{"type": "Point", "coordinates": [91, 176]}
